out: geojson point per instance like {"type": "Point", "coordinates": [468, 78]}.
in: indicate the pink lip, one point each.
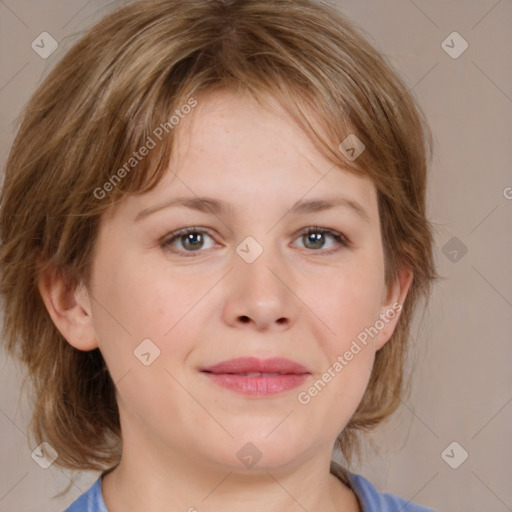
{"type": "Point", "coordinates": [278, 375]}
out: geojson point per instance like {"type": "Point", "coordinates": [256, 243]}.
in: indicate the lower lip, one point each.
{"type": "Point", "coordinates": [257, 386]}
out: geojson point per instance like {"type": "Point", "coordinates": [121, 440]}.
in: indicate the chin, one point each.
{"type": "Point", "coordinates": [254, 450]}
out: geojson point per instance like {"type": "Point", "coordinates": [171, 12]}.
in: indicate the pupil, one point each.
{"type": "Point", "coordinates": [316, 238]}
{"type": "Point", "coordinates": [189, 239]}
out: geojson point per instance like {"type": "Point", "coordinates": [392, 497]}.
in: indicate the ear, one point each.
{"type": "Point", "coordinates": [392, 304]}
{"type": "Point", "coordinates": [69, 307]}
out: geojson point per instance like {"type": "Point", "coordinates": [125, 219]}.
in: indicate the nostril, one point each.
{"type": "Point", "coordinates": [244, 319]}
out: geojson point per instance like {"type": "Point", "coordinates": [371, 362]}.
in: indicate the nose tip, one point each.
{"type": "Point", "coordinates": [257, 296]}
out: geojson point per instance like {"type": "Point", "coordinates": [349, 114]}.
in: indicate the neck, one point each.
{"type": "Point", "coordinates": [151, 479]}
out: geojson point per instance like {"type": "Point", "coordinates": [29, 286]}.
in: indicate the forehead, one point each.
{"type": "Point", "coordinates": [250, 154]}
{"type": "Point", "coordinates": [225, 124]}
{"type": "Point", "coordinates": [240, 138]}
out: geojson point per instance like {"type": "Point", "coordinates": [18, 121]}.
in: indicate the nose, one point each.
{"type": "Point", "coordinates": [260, 294]}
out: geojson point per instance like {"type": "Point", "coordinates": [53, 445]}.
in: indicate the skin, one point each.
{"type": "Point", "coordinates": [299, 299]}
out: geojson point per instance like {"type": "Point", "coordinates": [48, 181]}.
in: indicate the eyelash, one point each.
{"type": "Point", "coordinates": [342, 240]}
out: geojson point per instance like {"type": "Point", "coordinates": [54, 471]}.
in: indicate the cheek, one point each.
{"type": "Point", "coordinates": [139, 300]}
{"type": "Point", "coordinates": [136, 303]}
{"type": "Point", "coordinates": [349, 308]}
{"type": "Point", "coordinates": [349, 301]}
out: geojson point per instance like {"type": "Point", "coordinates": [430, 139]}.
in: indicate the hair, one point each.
{"type": "Point", "coordinates": [102, 102]}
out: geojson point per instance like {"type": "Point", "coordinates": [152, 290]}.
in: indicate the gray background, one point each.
{"type": "Point", "coordinates": [462, 385]}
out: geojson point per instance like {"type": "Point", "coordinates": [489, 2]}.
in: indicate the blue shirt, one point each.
{"type": "Point", "coordinates": [370, 499]}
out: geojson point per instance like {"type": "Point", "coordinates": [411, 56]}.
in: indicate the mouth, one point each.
{"type": "Point", "coordinates": [257, 377]}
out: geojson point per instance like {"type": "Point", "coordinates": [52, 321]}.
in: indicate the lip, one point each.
{"type": "Point", "coordinates": [255, 365]}
{"type": "Point", "coordinates": [276, 375]}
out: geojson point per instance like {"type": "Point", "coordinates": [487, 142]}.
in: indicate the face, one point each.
{"type": "Point", "coordinates": [264, 272]}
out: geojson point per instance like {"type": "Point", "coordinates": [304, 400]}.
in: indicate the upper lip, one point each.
{"type": "Point", "coordinates": [255, 365]}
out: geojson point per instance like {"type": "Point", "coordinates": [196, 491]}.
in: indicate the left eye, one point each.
{"type": "Point", "coordinates": [316, 236]}
{"type": "Point", "coordinates": [193, 239]}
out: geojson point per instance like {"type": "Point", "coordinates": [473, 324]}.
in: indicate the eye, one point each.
{"type": "Point", "coordinates": [315, 238]}
{"type": "Point", "coordinates": [191, 240]}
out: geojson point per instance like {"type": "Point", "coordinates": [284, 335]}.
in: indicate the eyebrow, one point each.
{"type": "Point", "coordinates": [211, 205]}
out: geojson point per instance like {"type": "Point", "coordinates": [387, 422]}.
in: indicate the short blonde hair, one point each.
{"type": "Point", "coordinates": [127, 76]}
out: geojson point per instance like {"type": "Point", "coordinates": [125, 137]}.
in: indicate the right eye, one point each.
{"type": "Point", "coordinates": [191, 240]}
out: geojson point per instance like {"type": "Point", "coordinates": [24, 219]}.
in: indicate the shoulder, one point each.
{"type": "Point", "coordinates": [90, 501]}
{"type": "Point", "coordinates": [373, 500]}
